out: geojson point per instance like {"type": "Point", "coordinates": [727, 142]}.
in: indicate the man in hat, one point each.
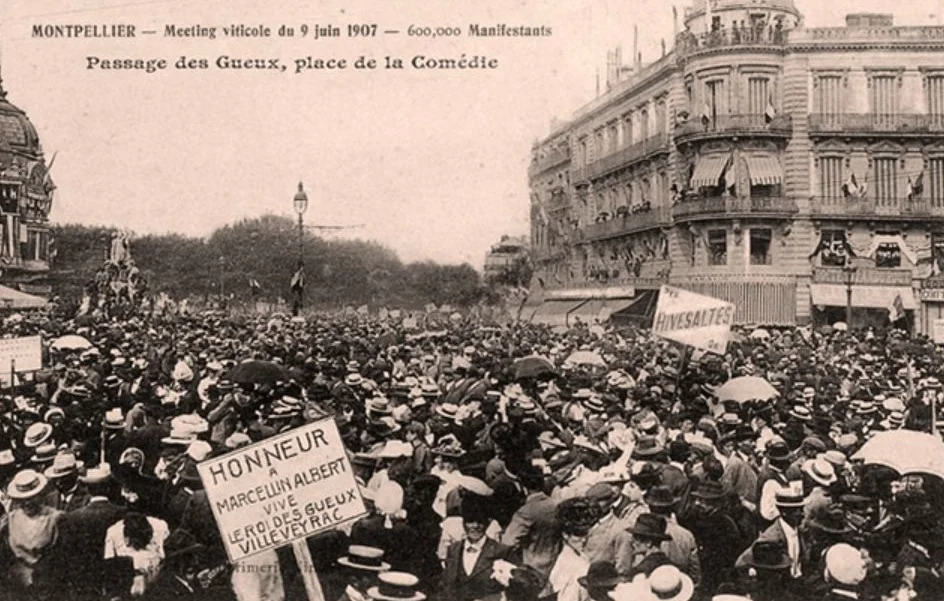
{"type": "Point", "coordinates": [608, 540]}
{"type": "Point", "coordinates": [772, 478]}
{"type": "Point", "coordinates": [716, 533]}
{"type": "Point", "coordinates": [846, 570]}
{"type": "Point", "coordinates": [786, 530]}
{"type": "Point", "coordinates": [359, 570]}
{"type": "Point", "coordinates": [739, 476]}
{"type": "Point", "coordinates": [682, 550]}
{"type": "Point", "coordinates": [533, 532]}
{"type": "Point", "coordinates": [648, 537]}
{"type": "Point", "coordinates": [467, 573]}
{"type": "Point", "coordinates": [601, 579]}
{"type": "Point", "coordinates": [68, 493]}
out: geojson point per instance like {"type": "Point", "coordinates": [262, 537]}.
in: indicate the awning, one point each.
{"type": "Point", "coordinates": [870, 297]}
{"type": "Point", "coordinates": [554, 312]}
{"type": "Point", "coordinates": [765, 170]}
{"type": "Point", "coordinates": [613, 306]}
{"type": "Point", "coordinates": [14, 299]}
{"type": "Point", "coordinates": [588, 312]}
{"type": "Point", "coordinates": [708, 170]}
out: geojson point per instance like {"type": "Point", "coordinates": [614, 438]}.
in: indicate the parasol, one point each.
{"type": "Point", "coordinates": [905, 451]}
{"type": "Point", "coordinates": [532, 367]}
{"type": "Point", "coordinates": [591, 358]}
{"type": "Point", "coordinates": [257, 372]}
{"type": "Point", "coordinates": [760, 334]}
{"type": "Point", "coordinates": [71, 342]}
{"type": "Point", "coordinates": [746, 388]}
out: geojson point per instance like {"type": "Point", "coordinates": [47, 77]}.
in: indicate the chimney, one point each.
{"type": "Point", "coordinates": [619, 63]}
{"type": "Point", "coordinates": [636, 45]}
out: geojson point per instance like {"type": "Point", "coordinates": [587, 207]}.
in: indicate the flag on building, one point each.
{"type": "Point", "coordinates": [254, 287]}
{"type": "Point", "coordinates": [897, 309]}
{"type": "Point", "coordinates": [706, 114]}
{"type": "Point", "coordinates": [771, 110]}
{"type": "Point", "coordinates": [298, 280]}
{"type": "Point", "coordinates": [851, 187]}
{"type": "Point", "coordinates": [916, 187]}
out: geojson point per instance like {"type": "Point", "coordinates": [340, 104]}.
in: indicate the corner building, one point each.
{"type": "Point", "coordinates": [789, 170]}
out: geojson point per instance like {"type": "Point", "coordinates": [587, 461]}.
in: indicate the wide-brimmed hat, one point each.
{"type": "Point", "coordinates": [845, 564]}
{"type": "Point", "coordinates": [114, 420]}
{"type": "Point", "coordinates": [709, 490]}
{"type": "Point", "coordinates": [801, 413]}
{"type": "Point", "coordinates": [778, 450]}
{"type": "Point", "coordinates": [769, 555]}
{"type": "Point", "coordinates": [37, 434]}
{"type": "Point", "coordinates": [449, 449]}
{"type": "Point", "coordinates": [647, 446]}
{"type": "Point", "coordinates": [396, 586]}
{"type": "Point", "coordinates": [651, 526]}
{"type": "Point", "coordinates": [362, 557]}
{"type": "Point", "coordinates": [354, 380]}
{"type": "Point", "coordinates": [111, 381]}
{"type": "Point", "coordinates": [831, 520]}
{"type": "Point", "coordinates": [379, 406]}
{"type": "Point", "coordinates": [660, 496]}
{"type": "Point", "coordinates": [64, 464]}
{"type": "Point", "coordinates": [583, 393]}
{"type": "Point", "coordinates": [668, 583]}
{"type": "Point", "coordinates": [448, 410]}
{"type": "Point", "coordinates": [820, 471]}
{"type": "Point", "coordinates": [26, 485]}
{"type": "Point", "coordinates": [789, 498]}
{"type": "Point", "coordinates": [594, 404]}
{"type": "Point", "coordinates": [45, 453]}
{"type": "Point", "coordinates": [97, 475]}
{"type": "Point", "coordinates": [600, 574]}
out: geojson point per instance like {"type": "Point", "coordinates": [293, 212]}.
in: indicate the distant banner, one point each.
{"type": "Point", "coordinates": [937, 331]}
{"type": "Point", "coordinates": [693, 319]}
{"type": "Point", "coordinates": [283, 489]}
{"type": "Point", "coordinates": [21, 354]}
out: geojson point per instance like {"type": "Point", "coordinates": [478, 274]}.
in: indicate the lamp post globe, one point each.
{"type": "Point", "coordinates": [300, 202]}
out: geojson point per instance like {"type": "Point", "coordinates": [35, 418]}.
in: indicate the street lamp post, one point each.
{"type": "Point", "coordinates": [300, 204]}
{"type": "Point", "coordinates": [849, 270]}
{"type": "Point", "coordinates": [222, 265]}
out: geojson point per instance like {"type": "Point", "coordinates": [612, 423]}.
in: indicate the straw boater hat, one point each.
{"type": "Point", "coordinates": [448, 410]}
{"type": "Point", "coordinates": [820, 471]}
{"type": "Point", "coordinates": [26, 485]}
{"type": "Point", "coordinates": [668, 583]}
{"type": "Point", "coordinates": [114, 420]}
{"type": "Point", "coordinates": [65, 464]}
{"type": "Point", "coordinates": [396, 586]}
{"type": "Point", "coordinates": [45, 453]}
{"type": "Point", "coordinates": [37, 434]}
{"type": "Point", "coordinates": [361, 557]}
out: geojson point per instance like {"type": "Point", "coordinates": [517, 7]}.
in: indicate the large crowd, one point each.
{"type": "Point", "coordinates": [514, 463]}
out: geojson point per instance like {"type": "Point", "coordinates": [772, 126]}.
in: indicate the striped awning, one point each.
{"type": "Point", "coordinates": [765, 170]}
{"type": "Point", "coordinates": [870, 297]}
{"type": "Point", "coordinates": [708, 170]}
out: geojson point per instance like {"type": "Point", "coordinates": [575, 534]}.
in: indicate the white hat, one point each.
{"type": "Point", "coordinates": [396, 448]}
{"type": "Point", "coordinates": [820, 470]}
{"type": "Point", "coordinates": [199, 450]}
{"type": "Point", "coordinates": [182, 372]}
{"type": "Point", "coordinates": [26, 485]}
{"type": "Point", "coordinates": [845, 564]}
{"type": "Point", "coordinates": [389, 498]}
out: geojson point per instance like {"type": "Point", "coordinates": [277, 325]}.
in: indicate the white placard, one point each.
{"type": "Point", "coordinates": [25, 354]}
{"type": "Point", "coordinates": [700, 321]}
{"type": "Point", "coordinates": [282, 489]}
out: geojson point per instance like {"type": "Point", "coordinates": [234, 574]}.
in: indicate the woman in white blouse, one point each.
{"type": "Point", "coordinates": [140, 538]}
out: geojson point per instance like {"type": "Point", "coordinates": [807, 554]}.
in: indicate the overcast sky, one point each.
{"type": "Point", "coordinates": [434, 164]}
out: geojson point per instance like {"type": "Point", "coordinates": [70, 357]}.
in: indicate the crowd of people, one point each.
{"type": "Point", "coordinates": [513, 463]}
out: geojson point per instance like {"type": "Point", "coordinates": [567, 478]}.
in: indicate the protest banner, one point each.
{"type": "Point", "coordinates": [281, 491]}
{"type": "Point", "coordinates": [694, 319]}
{"type": "Point", "coordinates": [18, 355]}
{"type": "Point", "coordinates": [937, 331]}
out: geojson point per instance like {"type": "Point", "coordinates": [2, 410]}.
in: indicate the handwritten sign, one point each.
{"type": "Point", "coordinates": [282, 489]}
{"type": "Point", "coordinates": [23, 354]}
{"type": "Point", "coordinates": [694, 319]}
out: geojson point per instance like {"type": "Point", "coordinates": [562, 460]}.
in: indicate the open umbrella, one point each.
{"type": "Point", "coordinates": [257, 372]}
{"type": "Point", "coordinates": [532, 367]}
{"type": "Point", "coordinates": [760, 334]}
{"type": "Point", "coordinates": [905, 451]}
{"type": "Point", "coordinates": [840, 326]}
{"type": "Point", "coordinates": [746, 388]}
{"type": "Point", "coordinates": [71, 342]}
{"type": "Point", "coordinates": [591, 358]}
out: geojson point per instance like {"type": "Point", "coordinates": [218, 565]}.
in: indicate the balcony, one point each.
{"type": "Point", "coordinates": [725, 126]}
{"type": "Point", "coordinates": [628, 224]}
{"type": "Point", "coordinates": [864, 276]}
{"type": "Point", "coordinates": [578, 175]}
{"type": "Point", "coordinates": [689, 45]}
{"type": "Point", "coordinates": [864, 208]}
{"type": "Point", "coordinates": [853, 37]}
{"type": "Point", "coordinates": [552, 159]}
{"type": "Point", "coordinates": [718, 207]}
{"type": "Point", "coordinates": [906, 124]}
{"type": "Point", "coordinates": [639, 151]}
{"type": "Point", "coordinates": [559, 201]}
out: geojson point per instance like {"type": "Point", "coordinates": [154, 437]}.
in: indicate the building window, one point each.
{"type": "Point", "coordinates": [830, 178]}
{"type": "Point", "coordinates": [661, 118]}
{"type": "Point", "coordinates": [833, 248]}
{"type": "Point", "coordinates": [628, 130]}
{"type": "Point", "coordinates": [692, 245]}
{"type": "Point", "coordinates": [614, 138]}
{"type": "Point", "coordinates": [886, 181]}
{"type": "Point", "coordinates": [883, 99]}
{"type": "Point", "coordinates": [829, 98]}
{"type": "Point", "coordinates": [760, 246]}
{"type": "Point", "coordinates": [935, 184]}
{"type": "Point", "coordinates": [717, 247]}
{"type": "Point", "coordinates": [583, 153]}
{"type": "Point", "coordinates": [714, 99]}
{"type": "Point", "coordinates": [643, 124]}
{"type": "Point", "coordinates": [888, 256]}
{"type": "Point", "coordinates": [758, 95]}
{"type": "Point", "coordinates": [935, 88]}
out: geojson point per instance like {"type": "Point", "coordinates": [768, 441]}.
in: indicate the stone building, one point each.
{"type": "Point", "coordinates": [787, 169]}
{"type": "Point", "coordinates": [26, 192]}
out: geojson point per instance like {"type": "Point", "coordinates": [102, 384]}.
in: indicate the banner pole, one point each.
{"type": "Point", "coordinates": [12, 374]}
{"type": "Point", "coordinates": [307, 569]}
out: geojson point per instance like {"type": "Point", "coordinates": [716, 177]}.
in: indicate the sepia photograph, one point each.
{"type": "Point", "coordinates": [576, 300]}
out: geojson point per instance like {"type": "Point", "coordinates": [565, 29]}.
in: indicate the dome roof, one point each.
{"type": "Point", "coordinates": [17, 134]}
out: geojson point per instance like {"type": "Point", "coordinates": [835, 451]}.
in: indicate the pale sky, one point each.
{"type": "Point", "coordinates": [434, 164]}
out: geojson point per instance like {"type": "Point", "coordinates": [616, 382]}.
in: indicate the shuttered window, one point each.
{"type": "Point", "coordinates": [886, 181]}
{"type": "Point", "coordinates": [714, 101]}
{"type": "Point", "coordinates": [935, 184]}
{"type": "Point", "coordinates": [643, 124]}
{"type": "Point", "coordinates": [830, 178]}
{"type": "Point", "coordinates": [884, 100]}
{"type": "Point", "coordinates": [829, 102]}
{"type": "Point", "coordinates": [758, 94]}
{"type": "Point", "coordinates": [935, 91]}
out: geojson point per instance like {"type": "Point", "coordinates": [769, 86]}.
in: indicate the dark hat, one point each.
{"type": "Point", "coordinates": [646, 475]}
{"type": "Point", "coordinates": [660, 496]}
{"type": "Point", "coordinates": [831, 520]}
{"type": "Point", "coordinates": [650, 526]}
{"type": "Point", "coordinates": [647, 446]}
{"type": "Point", "coordinates": [600, 574]}
{"type": "Point", "coordinates": [769, 555]}
{"type": "Point", "coordinates": [778, 451]}
{"type": "Point", "coordinates": [709, 490]}
{"type": "Point", "coordinates": [577, 516]}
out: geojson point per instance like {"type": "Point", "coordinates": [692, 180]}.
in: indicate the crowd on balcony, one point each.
{"type": "Point", "coordinates": [623, 211]}
{"type": "Point", "coordinates": [761, 32]}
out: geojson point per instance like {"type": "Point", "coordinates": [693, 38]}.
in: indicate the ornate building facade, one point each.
{"type": "Point", "coordinates": [26, 192]}
{"type": "Point", "coordinates": [783, 168]}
